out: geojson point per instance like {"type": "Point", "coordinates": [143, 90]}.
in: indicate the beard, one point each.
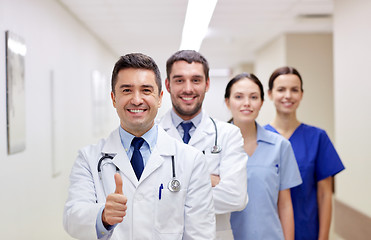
{"type": "Point", "coordinates": [189, 113]}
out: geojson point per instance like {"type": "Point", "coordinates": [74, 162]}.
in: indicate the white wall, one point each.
{"type": "Point", "coordinates": [32, 199]}
{"type": "Point", "coordinates": [352, 52]}
{"type": "Point", "coordinates": [268, 58]}
{"type": "Point", "coordinates": [311, 55]}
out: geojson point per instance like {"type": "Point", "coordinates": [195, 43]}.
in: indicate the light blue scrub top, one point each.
{"type": "Point", "coordinates": [317, 160]}
{"type": "Point", "coordinates": [270, 169]}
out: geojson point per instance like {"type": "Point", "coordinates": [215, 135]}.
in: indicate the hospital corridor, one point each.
{"type": "Point", "coordinates": [56, 63]}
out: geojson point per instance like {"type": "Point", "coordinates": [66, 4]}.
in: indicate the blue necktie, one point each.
{"type": "Point", "coordinates": [137, 159]}
{"type": "Point", "coordinates": [186, 127]}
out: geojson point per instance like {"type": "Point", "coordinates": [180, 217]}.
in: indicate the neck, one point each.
{"type": "Point", "coordinates": [285, 124]}
{"type": "Point", "coordinates": [186, 117]}
{"type": "Point", "coordinates": [248, 129]}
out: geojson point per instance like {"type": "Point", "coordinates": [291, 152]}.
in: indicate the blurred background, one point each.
{"type": "Point", "coordinates": [71, 47]}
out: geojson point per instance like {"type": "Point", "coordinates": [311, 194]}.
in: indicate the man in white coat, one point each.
{"type": "Point", "coordinates": [187, 82]}
{"type": "Point", "coordinates": [139, 183]}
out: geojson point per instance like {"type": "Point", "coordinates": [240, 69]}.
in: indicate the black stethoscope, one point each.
{"type": "Point", "coordinates": [173, 185]}
{"type": "Point", "coordinates": [216, 148]}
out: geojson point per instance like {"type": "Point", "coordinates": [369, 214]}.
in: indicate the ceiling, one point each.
{"type": "Point", "coordinates": [237, 29]}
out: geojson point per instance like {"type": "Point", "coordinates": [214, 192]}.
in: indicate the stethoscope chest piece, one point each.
{"type": "Point", "coordinates": [174, 185]}
{"type": "Point", "coordinates": [216, 149]}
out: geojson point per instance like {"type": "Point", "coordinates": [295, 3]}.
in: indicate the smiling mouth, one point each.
{"type": "Point", "coordinates": [288, 104]}
{"type": "Point", "coordinates": [136, 110]}
{"type": "Point", "coordinates": [187, 98]}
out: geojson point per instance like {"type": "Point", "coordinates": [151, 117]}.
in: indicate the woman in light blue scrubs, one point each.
{"type": "Point", "coordinates": [316, 156]}
{"type": "Point", "coordinates": [271, 168]}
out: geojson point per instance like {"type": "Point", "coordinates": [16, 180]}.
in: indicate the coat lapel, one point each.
{"type": "Point", "coordinates": [113, 146]}
{"type": "Point", "coordinates": [167, 124]}
{"type": "Point", "coordinates": [203, 131]}
{"type": "Point", "coordinates": [164, 147]}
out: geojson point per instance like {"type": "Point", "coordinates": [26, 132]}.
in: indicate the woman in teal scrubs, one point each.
{"type": "Point", "coordinates": [316, 156]}
{"type": "Point", "coordinates": [271, 168]}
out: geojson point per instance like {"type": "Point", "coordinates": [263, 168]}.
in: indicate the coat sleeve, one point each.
{"type": "Point", "coordinates": [199, 214]}
{"type": "Point", "coordinates": [81, 208]}
{"type": "Point", "coordinates": [231, 192]}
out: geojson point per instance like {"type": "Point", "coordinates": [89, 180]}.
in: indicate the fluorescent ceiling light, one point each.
{"type": "Point", "coordinates": [198, 16]}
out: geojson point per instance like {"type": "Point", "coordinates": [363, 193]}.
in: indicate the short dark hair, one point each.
{"type": "Point", "coordinates": [283, 71]}
{"type": "Point", "coordinates": [240, 76]}
{"type": "Point", "coordinates": [136, 61]}
{"type": "Point", "coordinates": [189, 56]}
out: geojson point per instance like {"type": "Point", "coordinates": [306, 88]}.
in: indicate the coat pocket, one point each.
{"type": "Point", "coordinates": [169, 212]}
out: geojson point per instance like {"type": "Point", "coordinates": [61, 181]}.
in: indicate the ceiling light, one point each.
{"type": "Point", "coordinates": [198, 16]}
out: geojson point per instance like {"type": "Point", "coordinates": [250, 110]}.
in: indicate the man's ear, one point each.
{"type": "Point", "coordinates": [113, 99]}
{"type": "Point", "coordinates": [160, 99]}
{"type": "Point", "coordinates": [207, 84]}
{"type": "Point", "coordinates": [167, 84]}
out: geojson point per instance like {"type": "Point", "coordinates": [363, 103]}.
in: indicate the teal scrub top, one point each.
{"type": "Point", "coordinates": [270, 169]}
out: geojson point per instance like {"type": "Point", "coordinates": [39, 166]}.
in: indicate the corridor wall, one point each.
{"type": "Point", "coordinates": [61, 58]}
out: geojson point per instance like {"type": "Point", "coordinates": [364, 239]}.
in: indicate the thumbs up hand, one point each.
{"type": "Point", "coordinates": [115, 208]}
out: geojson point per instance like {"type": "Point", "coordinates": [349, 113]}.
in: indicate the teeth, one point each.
{"type": "Point", "coordinates": [187, 98]}
{"type": "Point", "coordinates": [287, 103]}
{"type": "Point", "coordinates": [136, 110]}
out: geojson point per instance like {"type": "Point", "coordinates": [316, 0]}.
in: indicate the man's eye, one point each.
{"type": "Point", "coordinates": [147, 90]}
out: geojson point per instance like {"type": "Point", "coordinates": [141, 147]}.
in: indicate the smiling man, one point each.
{"type": "Point", "coordinates": [222, 144]}
{"type": "Point", "coordinates": [139, 183]}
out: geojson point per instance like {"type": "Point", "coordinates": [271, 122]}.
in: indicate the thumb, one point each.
{"type": "Point", "coordinates": [118, 181]}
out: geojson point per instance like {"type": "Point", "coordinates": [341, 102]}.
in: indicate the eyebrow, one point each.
{"type": "Point", "coordinates": [131, 85]}
{"type": "Point", "coordinates": [256, 92]}
{"type": "Point", "coordinates": [180, 76]}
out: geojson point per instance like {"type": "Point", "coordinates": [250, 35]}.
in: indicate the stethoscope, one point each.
{"type": "Point", "coordinates": [216, 148]}
{"type": "Point", "coordinates": [173, 185]}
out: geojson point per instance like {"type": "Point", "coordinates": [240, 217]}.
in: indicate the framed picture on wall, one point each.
{"type": "Point", "coordinates": [15, 92]}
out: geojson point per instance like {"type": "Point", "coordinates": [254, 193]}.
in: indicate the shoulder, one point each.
{"type": "Point", "coordinates": [226, 127]}
{"type": "Point", "coordinates": [101, 143]}
{"type": "Point", "coordinates": [171, 145]}
{"type": "Point", "coordinates": [164, 119]}
{"type": "Point", "coordinates": [98, 146]}
{"type": "Point", "coordinates": [311, 128]}
{"type": "Point", "coordinates": [271, 137]}
{"type": "Point", "coordinates": [313, 131]}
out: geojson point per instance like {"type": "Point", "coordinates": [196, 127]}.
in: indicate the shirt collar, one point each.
{"type": "Point", "coordinates": [150, 138]}
{"type": "Point", "coordinates": [178, 120]}
{"type": "Point", "coordinates": [263, 135]}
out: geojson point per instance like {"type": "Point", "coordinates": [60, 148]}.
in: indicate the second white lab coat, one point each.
{"type": "Point", "coordinates": [187, 214]}
{"type": "Point", "coordinates": [230, 164]}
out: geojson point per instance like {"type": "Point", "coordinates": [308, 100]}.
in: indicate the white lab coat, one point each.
{"type": "Point", "coordinates": [230, 164]}
{"type": "Point", "coordinates": [187, 214]}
